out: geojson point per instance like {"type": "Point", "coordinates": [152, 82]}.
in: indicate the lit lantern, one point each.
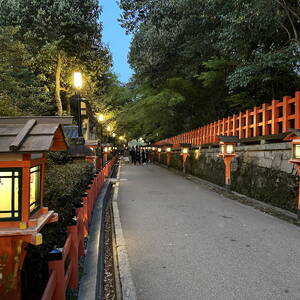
{"type": "Point", "coordinates": [294, 137]}
{"type": "Point", "coordinates": [158, 153]}
{"type": "Point", "coordinates": [227, 152]}
{"type": "Point", "coordinates": [153, 148]}
{"type": "Point", "coordinates": [106, 150]}
{"type": "Point", "coordinates": [168, 152]}
{"type": "Point", "coordinates": [184, 153]}
{"type": "Point", "coordinates": [23, 144]}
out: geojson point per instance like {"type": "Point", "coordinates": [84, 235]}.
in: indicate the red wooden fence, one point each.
{"type": "Point", "coordinates": [267, 119]}
{"type": "Point", "coordinates": [63, 269]}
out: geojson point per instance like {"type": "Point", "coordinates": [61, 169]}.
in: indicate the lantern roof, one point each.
{"type": "Point", "coordinates": [32, 134]}
{"type": "Point", "coordinates": [292, 133]}
{"type": "Point", "coordinates": [228, 139]}
{"type": "Point", "coordinates": [185, 145]}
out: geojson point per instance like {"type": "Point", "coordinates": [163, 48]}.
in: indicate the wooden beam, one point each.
{"type": "Point", "coordinates": [20, 138]}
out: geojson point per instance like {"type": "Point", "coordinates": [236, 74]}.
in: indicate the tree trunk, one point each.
{"type": "Point", "coordinates": [57, 85]}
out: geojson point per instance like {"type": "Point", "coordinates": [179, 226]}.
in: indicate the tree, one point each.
{"type": "Point", "coordinates": [61, 34]}
{"type": "Point", "coordinates": [21, 91]}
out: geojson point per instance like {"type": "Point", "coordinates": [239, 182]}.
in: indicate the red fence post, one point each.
{"type": "Point", "coordinates": [264, 119]}
{"type": "Point", "coordinates": [72, 230]}
{"type": "Point", "coordinates": [297, 110]}
{"type": "Point", "coordinates": [80, 220]}
{"type": "Point", "coordinates": [56, 263]}
{"type": "Point", "coordinates": [274, 126]}
{"type": "Point", "coordinates": [285, 113]}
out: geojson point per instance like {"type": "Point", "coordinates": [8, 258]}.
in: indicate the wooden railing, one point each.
{"type": "Point", "coordinates": [63, 262]}
{"type": "Point", "coordinates": [267, 119]}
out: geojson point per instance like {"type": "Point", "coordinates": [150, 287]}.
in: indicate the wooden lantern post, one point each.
{"type": "Point", "coordinates": [23, 146]}
{"type": "Point", "coordinates": [168, 152]}
{"type": "Point", "coordinates": [152, 151]}
{"type": "Point", "coordinates": [294, 138]}
{"type": "Point", "coordinates": [227, 152]}
{"type": "Point", "coordinates": [184, 154]}
{"type": "Point", "coordinates": [106, 150]}
{"type": "Point", "coordinates": [159, 153]}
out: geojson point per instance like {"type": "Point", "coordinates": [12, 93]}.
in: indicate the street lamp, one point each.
{"type": "Point", "coordinates": [78, 86]}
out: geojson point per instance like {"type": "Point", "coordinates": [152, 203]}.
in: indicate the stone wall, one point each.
{"type": "Point", "coordinates": [260, 171]}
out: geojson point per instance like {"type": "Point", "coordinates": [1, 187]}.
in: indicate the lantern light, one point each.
{"type": "Point", "coordinates": [185, 150]}
{"type": "Point", "coordinates": [113, 134]}
{"type": "Point", "coordinates": [77, 80]}
{"type": "Point", "coordinates": [296, 151]}
{"type": "Point", "coordinates": [105, 149]}
{"type": "Point", "coordinates": [153, 148]}
{"type": "Point", "coordinates": [229, 148]}
{"type": "Point", "coordinates": [169, 149]}
{"type": "Point", "coordinates": [159, 149]}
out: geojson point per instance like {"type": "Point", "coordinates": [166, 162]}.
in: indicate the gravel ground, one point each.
{"type": "Point", "coordinates": [109, 275]}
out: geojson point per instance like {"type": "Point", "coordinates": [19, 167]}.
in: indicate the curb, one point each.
{"type": "Point", "coordinates": [128, 290]}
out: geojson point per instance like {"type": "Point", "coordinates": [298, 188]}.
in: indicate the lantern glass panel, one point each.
{"type": "Point", "coordinates": [10, 194]}
{"type": "Point", "coordinates": [168, 149]}
{"type": "Point", "coordinates": [222, 148]}
{"type": "Point", "coordinates": [35, 188]}
{"type": "Point", "coordinates": [229, 149]}
{"type": "Point", "coordinates": [297, 151]}
{"type": "Point", "coordinates": [185, 150]}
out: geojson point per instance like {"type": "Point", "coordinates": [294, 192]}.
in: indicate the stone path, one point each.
{"type": "Point", "coordinates": [188, 242]}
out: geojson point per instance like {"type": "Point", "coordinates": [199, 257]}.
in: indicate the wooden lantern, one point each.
{"type": "Point", "coordinates": [185, 148]}
{"type": "Point", "coordinates": [294, 137]}
{"type": "Point", "coordinates": [227, 153]}
{"type": "Point", "coordinates": [24, 143]}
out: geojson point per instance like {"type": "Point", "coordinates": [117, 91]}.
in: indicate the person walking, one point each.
{"type": "Point", "coordinates": [147, 156]}
{"type": "Point", "coordinates": [138, 154]}
{"type": "Point", "coordinates": [133, 155]}
{"type": "Point", "coordinates": [144, 157]}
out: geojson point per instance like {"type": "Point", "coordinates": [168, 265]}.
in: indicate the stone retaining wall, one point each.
{"type": "Point", "coordinates": [260, 171]}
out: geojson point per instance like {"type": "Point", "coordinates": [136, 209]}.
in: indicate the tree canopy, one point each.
{"type": "Point", "coordinates": [217, 57]}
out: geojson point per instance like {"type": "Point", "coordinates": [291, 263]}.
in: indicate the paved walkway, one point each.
{"type": "Point", "coordinates": [188, 242]}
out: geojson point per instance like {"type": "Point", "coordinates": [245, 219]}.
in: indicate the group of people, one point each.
{"type": "Point", "coordinates": [139, 155]}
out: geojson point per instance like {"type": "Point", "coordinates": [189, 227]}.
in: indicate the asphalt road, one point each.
{"type": "Point", "coordinates": [188, 242]}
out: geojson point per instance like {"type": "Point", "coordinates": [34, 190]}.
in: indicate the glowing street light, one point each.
{"type": "Point", "coordinates": [78, 86]}
{"type": "Point", "coordinates": [101, 118]}
{"type": "Point", "coordinates": [77, 80]}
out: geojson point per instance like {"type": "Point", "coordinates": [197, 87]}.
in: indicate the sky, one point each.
{"type": "Point", "coordinates": [114, 36]}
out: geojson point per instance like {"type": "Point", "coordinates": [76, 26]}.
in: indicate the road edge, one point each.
{"type": "Point", "coordinates": [128, 290]}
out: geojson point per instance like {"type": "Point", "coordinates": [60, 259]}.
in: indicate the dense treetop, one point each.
{"type": "Point", "coordinates": [216, 57]}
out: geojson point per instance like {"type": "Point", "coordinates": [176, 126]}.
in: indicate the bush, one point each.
{"type": "Point", "coordinates": [64, 185]}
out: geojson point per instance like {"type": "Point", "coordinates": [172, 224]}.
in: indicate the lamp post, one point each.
{"type": "Point", "coordinates": [294, 138]}
{"type": "Point", "coordinates": [227, 152]}
{"type": "Point", "coordinates": [184, 153]}
{"type": "Point", "coordinates": [78, 86]}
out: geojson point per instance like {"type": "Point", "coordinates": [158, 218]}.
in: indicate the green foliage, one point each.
{"type": "Point", "coordinates": [54, 38]}
{"type": "Point", "coordinates": [64, 185]}
{"type": "Point", "coordinates": [21, 91]}
{"type": "Point", "coordinates": [222, 56]}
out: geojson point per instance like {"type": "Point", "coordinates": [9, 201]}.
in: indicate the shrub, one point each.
{"type": "Point", "coordinates": [64, 185]}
